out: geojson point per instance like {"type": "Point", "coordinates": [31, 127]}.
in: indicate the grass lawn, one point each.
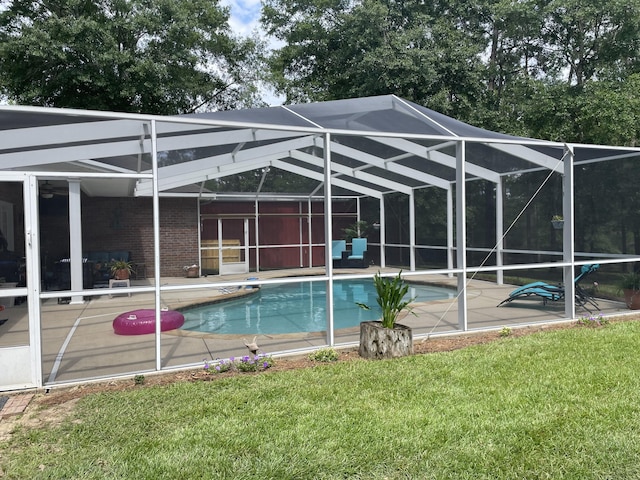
{"type": "Point", "coordinates": [561, 404]}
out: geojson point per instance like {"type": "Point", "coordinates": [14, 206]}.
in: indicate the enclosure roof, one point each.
{"type": "Point", "coordinates": [386, 113]}
{"type": "Point", "coordinates": [376, 145]}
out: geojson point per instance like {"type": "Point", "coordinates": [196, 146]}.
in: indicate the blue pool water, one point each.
{"type": "Point", "coordinates": [295, 308]}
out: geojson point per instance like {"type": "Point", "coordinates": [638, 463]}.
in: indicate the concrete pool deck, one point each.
{"type": "Point", "coordinates": [78, 341]}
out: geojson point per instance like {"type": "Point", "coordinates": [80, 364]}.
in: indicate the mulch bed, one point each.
{"type": "Point", "coordinates": [421, 347]}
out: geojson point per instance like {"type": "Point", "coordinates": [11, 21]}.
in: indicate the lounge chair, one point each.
{"type": "Point", "coordinates": [338, 247]}
{"type": "Point", "coordinates": [553, 293]}
{"type": "Point", "coordinates": [358, 254]}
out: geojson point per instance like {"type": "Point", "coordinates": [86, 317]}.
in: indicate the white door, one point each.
{"type": "Point", "coordinates": [19, 285]}
{"type": "Point", "coordinates": [234, 248]}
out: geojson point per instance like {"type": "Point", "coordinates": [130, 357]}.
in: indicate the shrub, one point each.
{"type": "Point", "coordinates": [505, 332]}
{"type": "Point", "coordinates": [327, 354]}
{"type": "Point", "coordinates": [593, 321]}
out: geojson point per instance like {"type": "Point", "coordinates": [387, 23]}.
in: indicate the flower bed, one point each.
{"type": "Point", "coordinates": [248, 363]}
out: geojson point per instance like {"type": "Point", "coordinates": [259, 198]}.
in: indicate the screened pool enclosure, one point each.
{"type": "Point", "coordinates": [206, 207]}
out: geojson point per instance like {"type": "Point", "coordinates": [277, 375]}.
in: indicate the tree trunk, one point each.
{"type": "Point", "coordinates": [379, 342]}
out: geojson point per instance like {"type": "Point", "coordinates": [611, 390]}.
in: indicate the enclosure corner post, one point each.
{"type": "Point", "coordinates": [499, 231]}
{"type": "Point", "coordinates": [461, 234]}
{"type": "Point", "coordinates": [156, 240]}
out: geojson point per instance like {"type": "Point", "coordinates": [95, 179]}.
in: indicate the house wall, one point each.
{"type": "Point", "coordinates": [110, 224]}
{"type": "Point", "coordinates": [280, 223]}
{"type": "Point", "coordinates": [127, 224]}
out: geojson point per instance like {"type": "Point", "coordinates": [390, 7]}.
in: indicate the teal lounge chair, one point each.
{"type": "Point", "coordinates": [553, 293]}
{"type": "Point", "coordinates": [338, 247]}
{"type": "Point", "coordinates": [358, 254]}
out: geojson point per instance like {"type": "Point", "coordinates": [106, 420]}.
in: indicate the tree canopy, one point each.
{"type": "Point", "coordinates": [162, 57]}
{"type": "Point", "coordinates": [502, 65]}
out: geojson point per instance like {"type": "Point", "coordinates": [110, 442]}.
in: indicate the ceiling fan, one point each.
{"type": "Point", "coordinates": [48, 191]}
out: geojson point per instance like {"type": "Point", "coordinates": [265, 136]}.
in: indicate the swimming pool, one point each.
{"type": "Point", "coordinates": [296, 308]}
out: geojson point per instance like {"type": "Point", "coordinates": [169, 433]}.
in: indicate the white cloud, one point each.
{"type": "Point", "coordinates": [245, 15]}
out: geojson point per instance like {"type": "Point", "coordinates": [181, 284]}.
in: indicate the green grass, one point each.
{"type": "Point", "coordinates": [558, 405]}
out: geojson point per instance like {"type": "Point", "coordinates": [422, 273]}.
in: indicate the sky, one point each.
{"type": "Point", "coordinates": [245, 15]}
{"type": "Point", "coordinates": [245, 19]}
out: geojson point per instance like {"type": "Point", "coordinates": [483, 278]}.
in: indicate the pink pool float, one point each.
{"type": "Point", "coordinates": [142, 321]}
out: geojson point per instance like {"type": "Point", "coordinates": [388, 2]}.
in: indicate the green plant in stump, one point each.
{"type": "Point", "coordinates": [391, 298]}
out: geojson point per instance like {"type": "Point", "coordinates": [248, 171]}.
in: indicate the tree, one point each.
{"type": "Point", "coordinates": [161, 57]}
{"type": "Point", "coordinates": [342, 49]}
{"type": "Point", "coordinates": [586, 38]}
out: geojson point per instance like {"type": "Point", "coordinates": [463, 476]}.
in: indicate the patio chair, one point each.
{"type": "Point", "coordinates": [358, 254]}
{"type": "Point", "coordinates": [553, 293]}
{"type": "Point", "coordinates": [338, 247]}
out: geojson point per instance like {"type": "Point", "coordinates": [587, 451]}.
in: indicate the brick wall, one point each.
{"type": "Point", "coordinates": [127, 224]}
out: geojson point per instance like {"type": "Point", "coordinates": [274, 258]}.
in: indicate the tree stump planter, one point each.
{"type": "Point", "coordinates": [632, 298]}
{"type": "Point", "coordinates": [377, 342]}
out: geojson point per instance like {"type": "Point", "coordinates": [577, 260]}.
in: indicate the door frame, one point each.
{"type": "Point", "coordinates": [22, 364]}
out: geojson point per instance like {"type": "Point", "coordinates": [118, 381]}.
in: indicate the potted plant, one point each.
{"type": "Point", "coordinates": [191, 271]}
{"type": "Point", "coordinates": [120, 269]}
{"type": "Point", "coordinates": [356, 230]}
{"type": "Point", "coordinates": [557, 221]}
{"type": "Point", "coordinates": [386, 338]}
{"type": "Point", "coordinates": [630, 286]}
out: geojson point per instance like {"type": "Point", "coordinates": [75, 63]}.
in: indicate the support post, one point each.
{"type": "Point", "coordinates": [461, 234]}
{"type": "Point", "coordinates": [220, 253]}
{"type": "Point", "coordinates": [450, 240]}
{"type": "Point", "coordinates": [156, 240]}
{"type": "Point", "coordinates": [300, 236]}
{"type": "Point", "coordinates": [499, 232]}
{"type": "Point", "coordinates": [310, 232]}
{"type": "Point", "coordinates": [383, 228]}
{"type": "Point", "coordinates": [328, 235]}
{"type": "Point", "coordinates": [256, 224]}
{"type": "Point", "coordinates": [568, 233]}
{"type": "Point", "coordinates": [76, 266]}
{"type": "Point", "coordinates": [412, 231]}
